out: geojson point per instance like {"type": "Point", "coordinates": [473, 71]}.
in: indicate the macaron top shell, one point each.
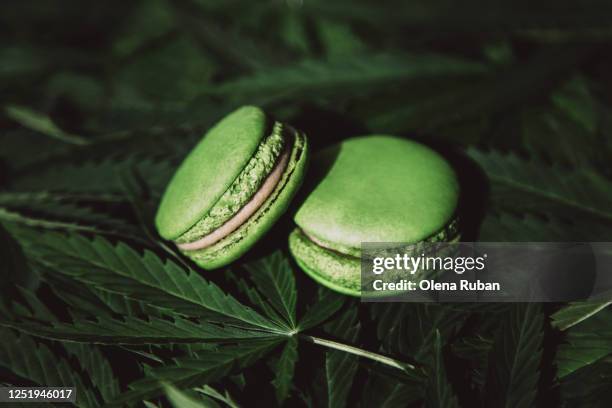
{"type": "Point", "coordinates": [208, 171]}
{"type": "Point", "coordinates": [379, 189]}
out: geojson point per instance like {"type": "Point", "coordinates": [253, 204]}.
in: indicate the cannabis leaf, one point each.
{"type": "Point", "coordinates": [586, 342]}
{"type": "Point", "coordinates": [285, 368]}
{"type": "Point", "coordinates": [41, 123]}
{"type": "Point", "coordinates": [120, 269]}
{"type": "Point", "coordinates": [97, 367]}
{"type": "Point", "coordinates": [515, 358]}
{"type": "Point", "coordinates": [126, 306]}
{"type": "Point", "coordinates": [82, 299]}
{"type": "Point", "coordinates": [248, 53]}
{"type": "Point", "coordinates": [386, 392]}
{"type": "Point", "coordinates": [471, 100]}
{"type": "Point", "coordinates": [55, 212]}
{"type": "Point", "coordinates": [202, 368]}
{"type": "Point", "coordinates": [314, 78]}
{"type": "Point", "coordinates": [589, 386]}
{"type": "Point", "coordinates": [42, 366]}
{"type": "Point", "coordinates": [132, 330]}
{"type": "Point", "coordinates": [439, 392]}
{"type": "Point", "coordinates": [275, 280]}
{"type": "Point", "coordinates": [180, 399]}
{"type": "Point", "coordinates": [327, 304]}
{"type": "Point", "coordinates": [476, 350]}
{"type": "Point", "coordinates": [503, 226]}
{"type": "Point", "coordinates": [410, 328]}
{"type": "Point", "coordinates": [575, 313]}
{"type": "Point", "coordinates": [340, 368]}
{"type": "Point", "coordinates": [13, 216]}
{"type": "Point", "coordinates": [17, 273]}
{"type": "Point", "coordinates": [567, 129]}
{"type": "Point", "coordinates": [224, 397]}
{"type": "Point", "coordinates": [97, 180]}
{"type": "Point", "coordinates": [58, 207]}
{"type": "Point", "coordinates": [107, 328]}
{"type": "Point", "coordinates": [529, 185]}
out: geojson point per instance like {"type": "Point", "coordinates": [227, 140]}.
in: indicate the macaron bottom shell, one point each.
{"type": "Point", "coordinates": [340, 272]}
{"type": "Point", "coordinates": [336, 271]}
{"type": "Point", "coordinates": [234, 245]}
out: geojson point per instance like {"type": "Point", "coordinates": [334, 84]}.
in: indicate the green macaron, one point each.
{"type": "Point", "coordinates": [371, 189]}
{"type": "Point", "coordinates": [232, 187]}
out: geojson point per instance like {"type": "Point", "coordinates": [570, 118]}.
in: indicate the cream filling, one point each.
{"type": "Point", "coordinates": [325, 245]}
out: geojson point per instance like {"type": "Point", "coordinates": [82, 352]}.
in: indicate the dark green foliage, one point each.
{"type": "Point", "coordinates": [340, 367]}
{"type": "Point", "coordinates": [575, 313]}
{"type": "Point", "coordinates": [284, 369]}
{"type": "Point", "coordinates": [439, 391]}
{"type": "Point", "coordinates": [191, 371]}
{"type": "Point", "coordinates": [586, 343]}
{"type": "Point", "coordinates": [97, 367]}
{"type": "Point", "coordinates": [515, 358]}
{"type": "Point", "coordinates": [100, 103]}
{"type": "Point", "coordinates": [42, 366]}
{"type": "Point", "coordinates": [410, 329]}
{"type": "Point", "coordinates": [273, 279]}
{"type": "Point", "coordinates": [550, 190]}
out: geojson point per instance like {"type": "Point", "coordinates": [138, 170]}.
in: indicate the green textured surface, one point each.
{"type": "Point", "coordinates": [238, 242]}
{"type": "Point", "coordinates": [335, 271]}
{"type": "Point", "coordinates": [242, 189]}
{"type": "Point", "coordinates": [198, 183]}
{"type": "Point", "coordinates": [379, 189]}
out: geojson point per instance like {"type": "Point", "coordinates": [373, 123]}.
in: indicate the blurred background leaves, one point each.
{"type": "Point", "coordinates": [99, 102]}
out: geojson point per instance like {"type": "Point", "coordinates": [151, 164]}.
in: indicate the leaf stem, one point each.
{"type": "Point", "coordinates": [406, 367]}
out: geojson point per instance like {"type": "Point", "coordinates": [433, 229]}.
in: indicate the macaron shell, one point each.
{"type": "Point", "coordinates": [332, 270]}
{"type": "Point", "coordinates": [209, 170]}
{"type": "Point", "coordinates": [381, 189]}
{"type": "Point", "coordinates": [239, 242]}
